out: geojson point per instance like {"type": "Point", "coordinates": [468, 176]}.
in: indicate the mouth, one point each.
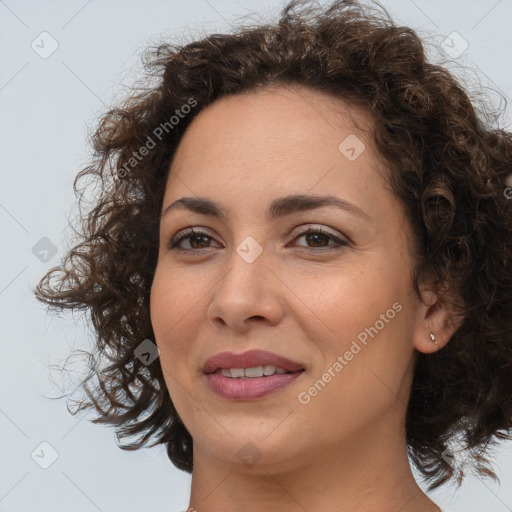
{"type": "Point", "coordinates": [257, 363]}
{"type": "Point", "coordinates": [255, 372]}
{"type": "Point", "coordinates": [250, 375]}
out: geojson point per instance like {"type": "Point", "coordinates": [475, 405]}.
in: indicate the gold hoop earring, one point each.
{"type": "Point", "coordinates": [433, 338]}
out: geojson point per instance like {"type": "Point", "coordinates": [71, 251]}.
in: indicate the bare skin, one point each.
{"type": "Point", "coordinates": [306, 297]}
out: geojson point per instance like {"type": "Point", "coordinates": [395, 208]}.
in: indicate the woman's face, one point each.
{"type": "Point", "coordinates": [340, 304]}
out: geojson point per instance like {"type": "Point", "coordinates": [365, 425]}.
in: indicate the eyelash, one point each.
{"type": "Point", "coordinates": [191, 232]}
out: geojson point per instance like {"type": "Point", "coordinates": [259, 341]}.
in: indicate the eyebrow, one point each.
{"type": "Point", "coordinates": [280, 207]}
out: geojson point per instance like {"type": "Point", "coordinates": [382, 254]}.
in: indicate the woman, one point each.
{"type": "Point", "coordinates": [299, 268]}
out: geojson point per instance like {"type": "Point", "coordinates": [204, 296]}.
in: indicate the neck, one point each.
{"type": "Point", "coordinates": [371, 473]}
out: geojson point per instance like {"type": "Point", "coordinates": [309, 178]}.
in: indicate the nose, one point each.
{"type": "Point", "coordinates": [248, 293]}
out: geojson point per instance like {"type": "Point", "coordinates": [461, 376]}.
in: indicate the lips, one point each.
{"type": "Point", "coordinates": [249, 359]}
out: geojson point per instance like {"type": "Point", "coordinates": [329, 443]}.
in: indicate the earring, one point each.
{"type": "Point", "coordinates": [433, 338]}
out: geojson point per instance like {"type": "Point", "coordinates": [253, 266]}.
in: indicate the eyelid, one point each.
{"type": "Point", "coordinates": [304, 228]}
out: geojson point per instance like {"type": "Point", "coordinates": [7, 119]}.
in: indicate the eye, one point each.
{"type": "Point", "coordinates": [318, 236]}
{"type": "Point", "coordinates": [200, 239]}
{"type": "Point", "coordinates": [197, 236]}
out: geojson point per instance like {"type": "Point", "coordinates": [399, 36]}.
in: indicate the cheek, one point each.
{"type": "Point", "coordinates": [174, 296]}
{"type": "Point", "coordinates": [352, 297]}
{"type": "Point", "coordinates": [363, 374]}
{"type": "Point", "coordinates": [172, 317]}
{"type": "Point", "coordinates": [368, 314]}
{"type": "Point", "coordinates": [166, 311]}
{"type": "Point", "coordinates": [169, 306]}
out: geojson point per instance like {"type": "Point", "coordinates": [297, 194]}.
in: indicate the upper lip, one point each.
{"type": "Point", "coordinates": [249, 359]}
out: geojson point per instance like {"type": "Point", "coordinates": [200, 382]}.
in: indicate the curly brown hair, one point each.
{"type": "Point", "coordinates": [447, 165]}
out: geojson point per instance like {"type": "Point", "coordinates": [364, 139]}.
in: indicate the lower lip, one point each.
{"type": "Point", "coordinates": [245, 389]}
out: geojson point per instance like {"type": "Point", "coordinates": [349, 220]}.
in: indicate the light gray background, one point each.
{"type": "Point", "coordinates": [48, 108]}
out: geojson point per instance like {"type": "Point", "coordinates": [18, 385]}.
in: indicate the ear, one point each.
{"type": "Point", "coordinates": [437, 316]}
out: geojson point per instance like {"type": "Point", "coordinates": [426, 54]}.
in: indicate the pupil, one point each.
{"type": "Point", "coordinates": [196, 237]}
{"type": "Point", "coordinates": [315, 235]}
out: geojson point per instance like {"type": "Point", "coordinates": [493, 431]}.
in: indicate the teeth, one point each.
{"type": "Point", "coordinates": [251, 373]}
{"type": "Point", "coordinates": [237, 372]}
{"type": "Point", "coordinates": [268, 369]}
{"type": "Point", "coordinates": [257, 371]}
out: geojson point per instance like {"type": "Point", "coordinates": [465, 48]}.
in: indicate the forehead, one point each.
{"type": "Point", "coordinates": [269, 142]}
{"type": "Point", "coordinates": [277, 118]}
